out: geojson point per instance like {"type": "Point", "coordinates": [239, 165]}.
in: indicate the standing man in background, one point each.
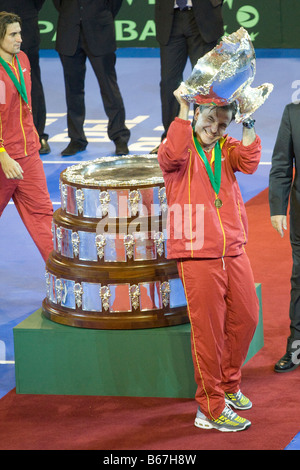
{"type": "Point", "coordinates": [86, 29]}
{"type": "Point", "coordinates": [28, 11]}
{"type": "Point", "coordinates": [284, 187]}
{"type": "Point", "coordinates": [185, 29]}
{"type": "Point", "coordinates": [22, 176]}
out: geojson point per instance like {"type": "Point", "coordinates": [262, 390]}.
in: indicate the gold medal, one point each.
{"type": "Point", "coordinates": [218, 203]}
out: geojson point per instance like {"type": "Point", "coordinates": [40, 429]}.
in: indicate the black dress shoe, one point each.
{"type": "Point", "coordinates": [45, 148]}
{"type": "Point", "coordinates": [286, 363]}
{"type": "Point", "coordinates": [121, 148]}
{"type": "Point", "coordinates": [73, 148]}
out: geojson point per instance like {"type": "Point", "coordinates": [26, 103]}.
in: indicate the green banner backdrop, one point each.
{"type": "Point", "coordinates": [270, 23]}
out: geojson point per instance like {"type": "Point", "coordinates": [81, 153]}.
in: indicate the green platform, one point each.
{"type": "Point", "coordinates": [57, 359]}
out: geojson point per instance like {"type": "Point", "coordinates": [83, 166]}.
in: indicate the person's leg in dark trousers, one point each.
{"type": "Point", "coordinates": [173, 58]}
{"type": "Point", "coordinates": [37, 93]}
{"type": "Point", "coordinates": [104, 68]}
{"type": "Point", "coordinates": [295, 280]}
{"type": "Point", "coordinates": [290, 360]}
{"type": "Point", "coordinates": [74, 68]}
{"type": "Point", "coordinates": [185, 42]}
{"type": "Point", "coordinates": [31, 47]}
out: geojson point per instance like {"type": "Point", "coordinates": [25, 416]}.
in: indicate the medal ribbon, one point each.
{"type": "Point", "coordinates": [20, 86]}
{"type": "Point", "coordinates": [215, 179]}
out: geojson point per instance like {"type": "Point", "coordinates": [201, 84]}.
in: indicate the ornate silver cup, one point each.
{"type": "Point", "coordinates": [225, 74]}
{"type": "Point", "coordinates": [109, 268]}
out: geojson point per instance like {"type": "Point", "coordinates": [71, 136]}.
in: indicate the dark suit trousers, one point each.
{"type": "Point", "coordinates": [185, 42]}
{"type": "Point", "coordinates": [37, 91]}
{"type": "Point", "coordinates": [74, 68]}
{"type": "Point", "coordinates": [295, 278]}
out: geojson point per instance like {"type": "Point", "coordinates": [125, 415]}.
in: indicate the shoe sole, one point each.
{"type": "Point", "coordinates": [203, 424]}
{"type": "Point", "coordinates": [286, 370]}
{"type": "Point", "coordinates": [231, 403]}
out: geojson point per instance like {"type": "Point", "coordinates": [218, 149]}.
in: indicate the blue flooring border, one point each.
{"type": "Point", "coordinates": [294, 444]}
{"type": "Point", "coordinates": [154, 52]}
{"type": "Point", "coordinates": [130, 52]}
{"type": "Point", "coordinates": [277, 53]}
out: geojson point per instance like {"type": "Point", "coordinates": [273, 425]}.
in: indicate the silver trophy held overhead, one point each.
{"type": "Point", "coordinates": [225, 74]}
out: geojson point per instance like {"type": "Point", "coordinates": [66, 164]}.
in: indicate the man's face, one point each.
{"type": "Point", "coordinates": [211, 125]}
{"type": "Point", "coordinates": [12, 40]}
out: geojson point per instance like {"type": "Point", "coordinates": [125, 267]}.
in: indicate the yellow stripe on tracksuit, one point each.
{"type": "Point", "coordinates": [222, 228]}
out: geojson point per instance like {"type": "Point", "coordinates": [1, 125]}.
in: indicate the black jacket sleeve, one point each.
{"type": "Point", "coordinates": [281, 174]}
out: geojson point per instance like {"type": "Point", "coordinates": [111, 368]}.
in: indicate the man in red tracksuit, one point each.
{"type": "Point", "coordinates": [22, 175]}
{"type": "Point", "coordinates": [207, 232]}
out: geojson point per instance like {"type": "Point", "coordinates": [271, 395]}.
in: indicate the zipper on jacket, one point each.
{"type": "Point", "coordinates": [223, 262]}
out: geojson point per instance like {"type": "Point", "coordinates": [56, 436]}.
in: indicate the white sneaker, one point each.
{"type": "Point", "coordinates": [228, 421]}
{"type": "Point", "coordinates": [238, 401]}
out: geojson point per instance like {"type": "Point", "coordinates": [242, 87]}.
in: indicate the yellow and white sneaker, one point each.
{"type": "Point", "coordinates": [228, 421]}
{"type": "Point", "coordinates": [238, 401]}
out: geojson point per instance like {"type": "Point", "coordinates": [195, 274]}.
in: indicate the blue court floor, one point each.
{"type": "Point", "coordinates": [22, 286]}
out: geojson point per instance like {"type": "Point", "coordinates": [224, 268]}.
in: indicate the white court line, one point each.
{"type": "Point", "coordinates": [7, 362]}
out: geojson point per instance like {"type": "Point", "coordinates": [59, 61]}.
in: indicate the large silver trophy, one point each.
{"type": "Point", "coordinates": [109, 267]}
{"type": "Point", "coordinates": [225, 75]}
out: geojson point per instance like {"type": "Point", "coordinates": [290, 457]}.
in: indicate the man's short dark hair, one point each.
{"type": "Point", "coordinates": [228, 107]}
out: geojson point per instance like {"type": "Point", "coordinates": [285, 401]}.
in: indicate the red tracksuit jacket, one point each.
{"type": "Point", "coordinates": [203, 230]}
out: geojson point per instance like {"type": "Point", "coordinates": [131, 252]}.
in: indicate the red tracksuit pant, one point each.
{"type": "Point", "coordinates": [32, 201]}
{"type": "Point", "coordinates": [223, 310]}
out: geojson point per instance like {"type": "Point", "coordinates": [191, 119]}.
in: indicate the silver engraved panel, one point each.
{"type": "Point", "coordinates": [177, 295]}
{"type": "Point", "coordinates": [144, 248]}
{"type": "Point", "coordinates": [60, 291]}
{"type": "Point", "coordinates": [114, 203]}
{"type": "Point", "coordinates": [122, 297]}
{"type": "Point", "coordinates": [150, 296]}
{"type": "Point", "coordinates": [109, 247]}
{"type": "Point", "coordinates": [91, 205]}
{"type": "Point", "coordinates": [87, 246]}
{"type": "Point", "coordinates": [114, 250]}
{"type": "Point", "coordinates": [66, 242]}
{"type": "Point", "coordinates": [91, 300]}
{"type": "Point", "coordinates": [68, 199]}
{"type": "Point", "coordinates": [119, 300]}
